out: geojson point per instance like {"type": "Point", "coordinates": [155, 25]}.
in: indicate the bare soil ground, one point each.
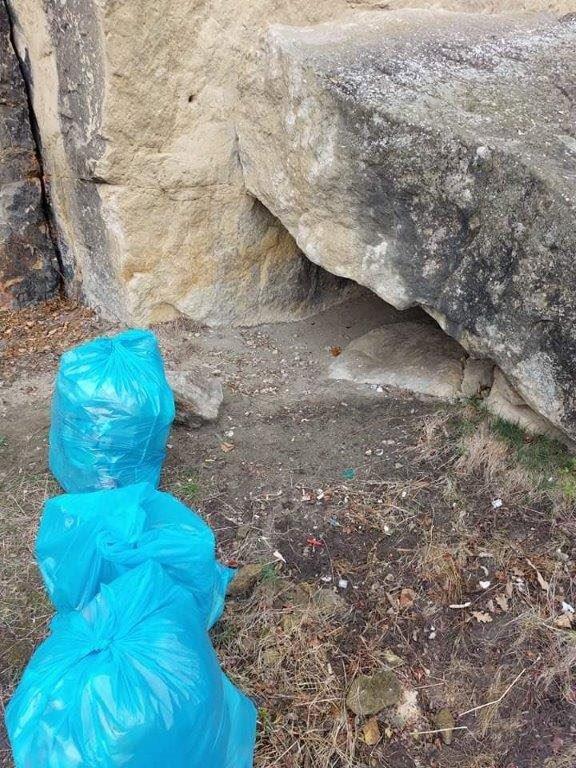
{"type": "Point", "coordinates": [388, 510]}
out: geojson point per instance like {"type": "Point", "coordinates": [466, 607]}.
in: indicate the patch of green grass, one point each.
{"type": "Point", "coordinates": [269, 574]}
{"type": "Point", "coordinates": [265, 720]}
{"type": "Point", "coordinates": [538, 453]}
{"type": "Point", "coordinates": [189, 489]}
{"type": "Point", "coordinates": [470, 417]}
{"type": "Point", "coordinates": [567, 483]}
{"type": "Point", "coordinates": [223, 634]}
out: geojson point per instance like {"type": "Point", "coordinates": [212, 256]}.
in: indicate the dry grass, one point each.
{"type": "Point", "coordinates": [295, 646]}
{"type": "Point", "coordinates": [282, 647]}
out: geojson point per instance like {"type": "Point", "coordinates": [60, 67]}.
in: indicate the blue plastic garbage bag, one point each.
{"type": "Point", "coordinates": [89, 539]}
{"type": "Point", "coordinates": [111, 413]}
{"type": "Point", "coordinates": [131, 681]}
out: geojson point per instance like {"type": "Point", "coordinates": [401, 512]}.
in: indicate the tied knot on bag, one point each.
{"type": "Point", "coordinates": [100, 646]}
{"type": "Point", "coordinates": [112, 543]}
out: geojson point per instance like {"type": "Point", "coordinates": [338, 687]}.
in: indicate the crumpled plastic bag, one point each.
{"type": "Point", "coordinates": [89, 539]}
{"type": "Point", "coordinates": [131, 681]}
{"type": "Point", "coordinates": [111, 413]}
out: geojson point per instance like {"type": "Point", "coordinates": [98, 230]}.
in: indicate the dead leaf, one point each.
{"type": "Point", "coordinates": [335, 351]}
{"type": "Point", "coordinates": [444, 721]}
{"type": "Point", "coordinates": [227, 447]}
{"type": "Point", "coordinates": [502, 602]}
{"type": "Point", "coordinates": [482, 617]}
{"type": "Point", "coordinates": [371, 732]}
{"type": "Point", "coordinates": [541, 580]}
{"type": "Point", "coordinates": [564, 621]}
{"type": "Point", "coordinates": [407, 597]}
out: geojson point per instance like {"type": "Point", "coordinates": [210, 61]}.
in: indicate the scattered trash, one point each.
{"type": "Point", "coordinates": [227, 447]}
{"type": "Point", "coordinates": [562, 556]}
{"type": "Point", "coordinates": [335, 351]}
{"type": "Point", "coordinates": [113, 531]}
{"type": "Point", "coordinates": [111, 413]}
{"type": "Point", "coordinates": [567, 608]}
{"type": "Point", "coordinates": [343, 583]}
{"type": "Point", "coordinates": [90, 693]}
{"type": "Point", "coordinates": [349, 474]}
{"type": "Point", "coordinates": [326, 579]}
{"type": "Point", "coordinates": [315, 543]}
{"type": "Point", "coordinates": [497, 503]}
{"type": "Point", "coordinates": [279, 556]}
{"type": "Point", "coordinates": [461, 605]}
{"type": "Point", "coordinates": [484, 584]}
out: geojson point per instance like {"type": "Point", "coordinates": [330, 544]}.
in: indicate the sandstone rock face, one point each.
{"type": "Point", "coordinates": [136, 103]}
{"type": "Point", "coordinates": [414, 356]}
{"type": "Point", "coordinates": [431, 157]}
{"type": "Point", "coordinates": [28, 267]}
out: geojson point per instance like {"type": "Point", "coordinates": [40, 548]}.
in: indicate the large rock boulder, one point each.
{"type": "Point", "coordinates": [136, 103]}
{"type": "Point", "coordinates": [28, 266]}
{"type": "Point", "coordinates": [432, 157]}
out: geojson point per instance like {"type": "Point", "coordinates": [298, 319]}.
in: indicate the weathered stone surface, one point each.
{"type": "Point", "coordinates": [28, 267]}
{"type": "Point", "coordinates": [198, 397]}
{"type": "Point", "coordinates": [136, 104]}
{"type": "Point", "coordinates": [245, 579]}
{"type": "Point", "coordinates": [505, 402]}
{"type": "Point", "coordinates": [431, 157]}
{"type": "Point", "coordinates": [370, 694]}
{"type": "Point", "coordinates": [414, 356]}
{"type": "Point", "coordinates": [478, 377]}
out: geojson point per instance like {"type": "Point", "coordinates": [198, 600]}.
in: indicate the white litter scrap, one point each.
{"type": "Point", "coordinates": [497, 503]}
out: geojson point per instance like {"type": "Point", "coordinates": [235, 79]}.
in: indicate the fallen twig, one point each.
{"type": "Point", "coordinates": [440, 730]}
{"type": "Point", "coordinates": [496, 701]}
